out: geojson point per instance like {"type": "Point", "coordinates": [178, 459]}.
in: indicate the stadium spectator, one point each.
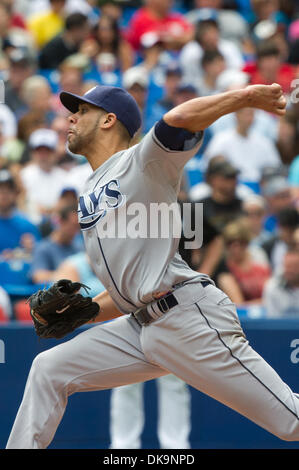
{"type": "Point", "coordinates": [36, 93]}
{"type": "Point", "coordinates": [51, 251]}
{"type": "Point", "coordinates": [78, 268]}
{"type": "Point", "coordinates": [155, 23]}
{"type": "Point", "coordinates": [45, 25]}
{"type": "Point", "coordinates": [89, 8]}
{"type": "Point", "coordinates": [171, 81]}
{"type": "Point", "coordinates": [254, 209]}
{"type": "Point", "coordinates": [206, 257]}
{"type": "Point", "coordinates": [70, 79]}
{"type": "Point", "coordinates": [246, 264]}
{"type": "Point", "coordinates": [283, 239]}
{"type": "Point", "coordinates": [5, 23]}
{"type": "Point", "coordinates": [250, 152]}
{"type": "Point", "coordinates": [68, 197]}
{"type": "Point", "coordinates": [66, 43]}
{"type": "Point", "coordinates": [109, 39]}
{"type": "Point", "coordinates": [13, 31]}
{"type": "Point", "coordinates": [222, 205]}
{"type": "Point", "coordinates": [269, 68]}
{"type": "Point", "coordinates": [184, 92]}
{"type": "Point", "coordinates": [111, 8]}
{"type": "Point", "coordinates": [16, 150]}
{"type": "Point", "coordinates": [203, 189]}
{"type": "Point", "coordinates": [77, 176]}
{"type": "Point", "coordinates": [65, 160]}
{"type": "Point", "coordinates": [266, 10]}
{"type": "Point", "coordinates": [263, 123]}
{"type": "Point", "coordinates": [42, 179]}
{"type": "Point", "coordinates": [16, 18]}
{"type": "Point", "coordinates": [281, 292]}
{"type": "Point", "coordinates": [213, 65]}
{"type": "Point", "coordinates": [16, 230]}
{"type": "Point", "coordinates": [21, 66]}
{"type": "Point", "coordinates": [278, 195]}
{"type": "Point", "coordinates": [232, 25]}
{"type": "Point", "coordinates": [136, 81]}
{"type": "Point", "coordinates": [287, 137]}
{"type": "Point", "coordinates": [207, 38]}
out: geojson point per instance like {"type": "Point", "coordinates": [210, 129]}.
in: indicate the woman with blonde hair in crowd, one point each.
{"type": "Point", "coordinates": [247, 265]}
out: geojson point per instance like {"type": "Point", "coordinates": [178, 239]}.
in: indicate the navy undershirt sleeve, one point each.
{"type": "Point", "coordinates": [173, 138]}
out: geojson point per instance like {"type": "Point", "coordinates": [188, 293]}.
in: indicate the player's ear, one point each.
{"type": "Point", "coordinates": [108, 120]}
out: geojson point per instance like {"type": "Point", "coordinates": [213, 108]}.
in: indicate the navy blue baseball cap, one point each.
{"type": "Point", "coordinates": [110, 98]}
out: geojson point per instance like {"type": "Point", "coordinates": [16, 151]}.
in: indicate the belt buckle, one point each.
{"type": "Point", "coordinates": [162, 307]}
{"type": "Point", "coordinates": [137, 311]}
{"type": "Point", "coordinates": [141, 322]}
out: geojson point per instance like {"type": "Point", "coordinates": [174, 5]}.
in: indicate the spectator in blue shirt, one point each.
{"type": "Point", "coordinates": [53, 250]}
{"type": "Point", "coordinates": [16, 230]}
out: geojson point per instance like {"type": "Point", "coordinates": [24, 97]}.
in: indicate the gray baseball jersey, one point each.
{"type": "Point", "coordinates": [132, 269]}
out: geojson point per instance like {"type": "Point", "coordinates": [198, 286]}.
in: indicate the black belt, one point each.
{"type": "Point", "coordinates": [166, 303]}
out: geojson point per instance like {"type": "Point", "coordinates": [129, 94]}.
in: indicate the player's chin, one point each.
{"type": "Point", "coordinates": [73, 145]}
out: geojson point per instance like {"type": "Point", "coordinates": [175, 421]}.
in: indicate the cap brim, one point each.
{"type": "Point", "coordinates": [71, 101]}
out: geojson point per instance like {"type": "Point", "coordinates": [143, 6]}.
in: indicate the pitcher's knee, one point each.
{"type": "Point", "coordinates": [46, 368]}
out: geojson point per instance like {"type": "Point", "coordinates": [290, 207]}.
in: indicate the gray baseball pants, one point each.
{"type": "Point", "coordinates": [200, 340]}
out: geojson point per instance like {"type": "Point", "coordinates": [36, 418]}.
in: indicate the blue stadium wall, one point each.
{"type": "Point", "coordinates": [85, 424]}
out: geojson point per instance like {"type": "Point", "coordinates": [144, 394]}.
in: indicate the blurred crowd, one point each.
{"type": "Point", "coordinates": [163, 52]}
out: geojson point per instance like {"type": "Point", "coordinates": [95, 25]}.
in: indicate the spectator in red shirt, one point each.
{"type": "Point", "coordinates": [155, 22]}
{"type": "Point", "coordinates": [269, 68]}
{"type": "Point", "coordinates": [247, 265]}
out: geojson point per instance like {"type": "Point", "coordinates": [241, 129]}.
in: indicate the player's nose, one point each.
{"type": "Point", "coordinates": [72, 118]}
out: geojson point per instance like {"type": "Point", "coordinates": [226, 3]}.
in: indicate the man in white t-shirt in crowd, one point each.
{"type": "Point", "coordinates": [250, 152]}
{"type": "Point", "coordinates": [231, 23]}
{"type": "Point", "coordinates": [42, 179]}
{"type": "Point", "coordinates": [281, 292]}
{"type": "Point", "coordinates": [207, 38]}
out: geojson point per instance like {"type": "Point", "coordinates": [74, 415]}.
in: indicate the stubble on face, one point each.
{"type": "Point", "coordinates": [81, 139]}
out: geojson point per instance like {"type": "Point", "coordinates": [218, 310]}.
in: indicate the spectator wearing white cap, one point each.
{"type": "Point", "coordinates": [42, 179]}
{"type": "Point", "coordinates": [136, 81]}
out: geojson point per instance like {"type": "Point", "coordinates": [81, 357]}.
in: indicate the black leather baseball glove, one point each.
{"type": "Point", "coordinates": [60, 309]}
